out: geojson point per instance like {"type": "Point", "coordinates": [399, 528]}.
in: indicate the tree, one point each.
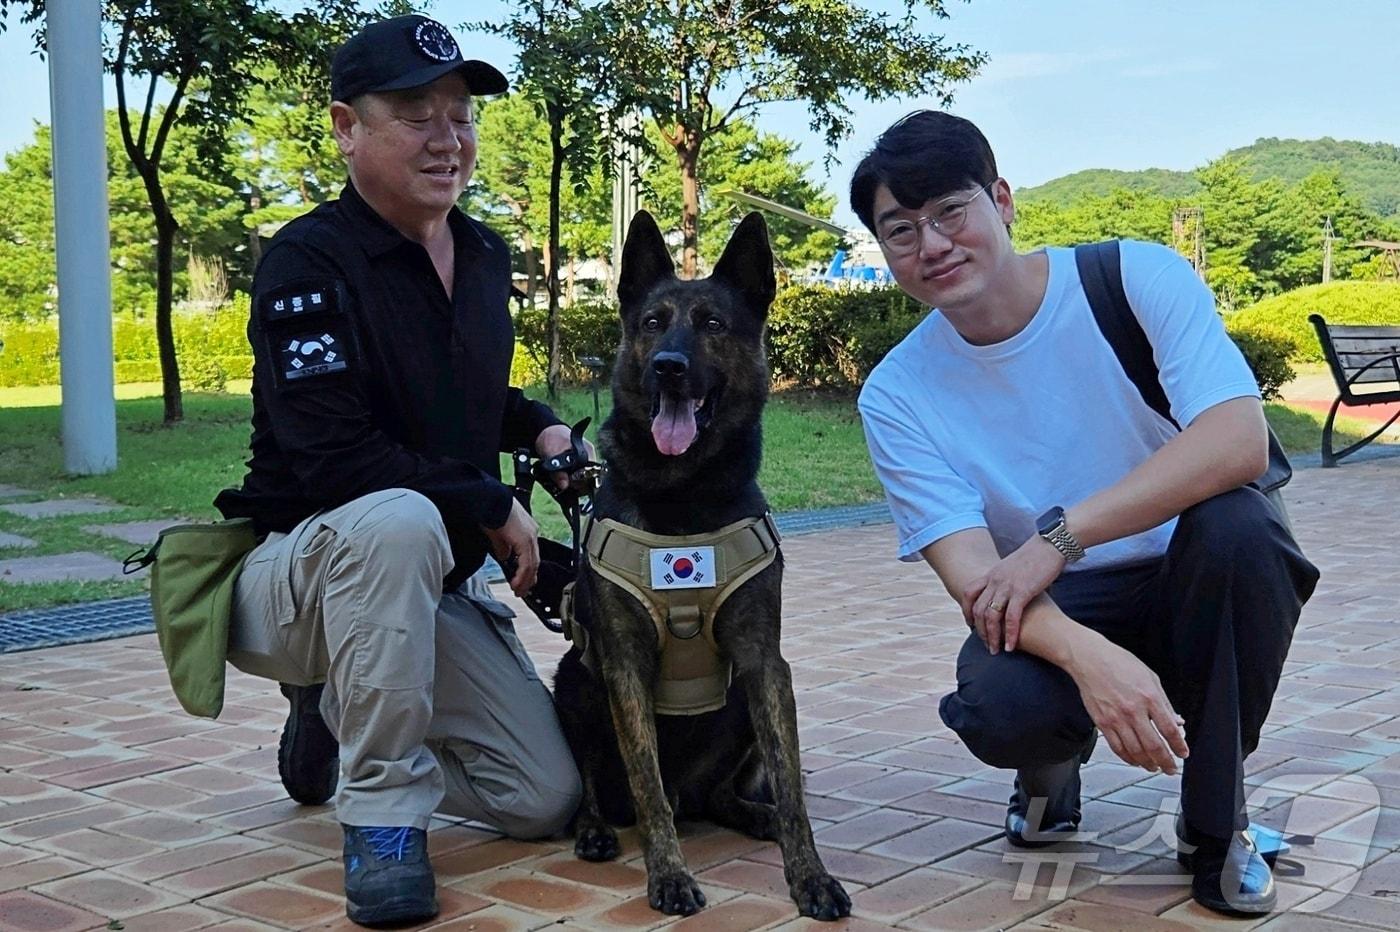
{"type": "Point", "coordinates": [207, 207]}
{"type": "Point", "coordinates": [287, 159]}
{"type": "Point", "coordinates": [1122, 214]}
{"type": "Point", "coordinates": [765, 164]}
{"type": "Point", "coordinates": [173, 43]}
{"type": "Point", "coordinates": [564, 69]}
{"type": "Point", "coordinates": [695, 66]}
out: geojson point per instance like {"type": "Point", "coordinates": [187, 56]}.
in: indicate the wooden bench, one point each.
{"type": "Point", "coordinates": [1367, 356]}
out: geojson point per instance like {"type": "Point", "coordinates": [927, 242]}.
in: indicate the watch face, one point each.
{"type": "Point", "coordinates": [1046, 523]}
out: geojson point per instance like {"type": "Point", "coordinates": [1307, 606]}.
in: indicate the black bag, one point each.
{"type": "Point", "coordinates": [1100, 272]}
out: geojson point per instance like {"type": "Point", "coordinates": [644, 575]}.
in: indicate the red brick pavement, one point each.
{"type": "Point", "coordinates": [115, 807]}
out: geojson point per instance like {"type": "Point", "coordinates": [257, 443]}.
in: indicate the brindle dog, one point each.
{"type": "Point", "coordinates": [683, 445]}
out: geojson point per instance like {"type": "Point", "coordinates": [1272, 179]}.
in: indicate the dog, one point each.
{"type": "Point", "coordinates": [683, 445]}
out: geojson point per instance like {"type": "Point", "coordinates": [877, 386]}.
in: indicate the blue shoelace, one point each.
{"type": "Point", "coordinates": [388, 842]}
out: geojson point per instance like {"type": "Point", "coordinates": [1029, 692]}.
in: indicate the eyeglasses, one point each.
{"type": "Point", "coordinates": [902, 237]}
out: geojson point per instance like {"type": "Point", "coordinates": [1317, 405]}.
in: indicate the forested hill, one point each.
{"type": "Point", "coordinates": [1369, 170]}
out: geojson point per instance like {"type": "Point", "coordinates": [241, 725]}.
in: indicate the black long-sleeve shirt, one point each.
{"type": "Point", "coordinates": [366, 376]}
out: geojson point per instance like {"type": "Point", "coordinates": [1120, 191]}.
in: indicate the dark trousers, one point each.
{"type": "Point", "coordinates": [1213, 618]}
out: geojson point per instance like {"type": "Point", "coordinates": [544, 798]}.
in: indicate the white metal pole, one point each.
{"type": "Point", "coordinates": [80, 227]}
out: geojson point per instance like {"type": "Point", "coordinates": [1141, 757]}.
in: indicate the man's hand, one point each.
{"type": "Point", "coordinates": [1125, 700]}
{"type": "Point", "coordinates": [556, 439]}
{"type": "Point", "coordinates": [993, 603]}
{"type": "Point", "coordinates": [517, 539]}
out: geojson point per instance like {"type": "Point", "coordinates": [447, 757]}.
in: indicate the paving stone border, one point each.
{"type": "Point", "coordinates": [60, 507]}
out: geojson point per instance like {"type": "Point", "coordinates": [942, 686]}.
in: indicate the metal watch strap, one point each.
{"type": "Point", "coordinates": [1062, 540]}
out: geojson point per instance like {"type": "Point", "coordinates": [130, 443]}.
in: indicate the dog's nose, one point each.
{"type": "Point", "coordinates": [667, 363]}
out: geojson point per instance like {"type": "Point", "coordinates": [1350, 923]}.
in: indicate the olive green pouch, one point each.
{"type": "Point", "coordinates": [196, 567]}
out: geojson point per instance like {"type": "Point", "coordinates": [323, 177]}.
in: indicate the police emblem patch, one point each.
{"type": "Point", "coordinates": [434, 41]}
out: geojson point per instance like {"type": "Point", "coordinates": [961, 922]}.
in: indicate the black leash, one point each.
{"type": "Point", "coordinates": [558, 564]}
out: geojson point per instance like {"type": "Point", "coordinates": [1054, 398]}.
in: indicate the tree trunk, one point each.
{"type": "Point", "coordinates": [165, 332]}
{"type": "Point", "coordinates": [556, 172]}
{"type": "Point", "coordinates": [532, 264]}
{"type": "Point", "coordinates": [254, 240]}
{"type": "Point", "coordinates": [688, 153]}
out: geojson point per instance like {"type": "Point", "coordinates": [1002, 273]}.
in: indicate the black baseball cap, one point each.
{"type": "Point", "coordinates": [403, 52]}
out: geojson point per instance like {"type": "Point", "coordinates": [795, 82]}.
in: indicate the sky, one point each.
{"type": "Point", "coordinates": [1070, 85]}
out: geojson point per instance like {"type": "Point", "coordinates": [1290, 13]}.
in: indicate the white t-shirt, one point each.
{"type": "Point", "coordinates": [966, 436]}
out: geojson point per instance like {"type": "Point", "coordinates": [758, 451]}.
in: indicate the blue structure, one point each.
{"type": "Point", "coordinates": [857, 273]}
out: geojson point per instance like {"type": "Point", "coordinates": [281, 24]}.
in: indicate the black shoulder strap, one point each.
{"type": "Point", "coordinates": [1100, 272]}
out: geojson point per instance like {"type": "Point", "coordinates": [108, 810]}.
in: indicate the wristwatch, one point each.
{"type": "Point", "coordinates": [1051, 526]}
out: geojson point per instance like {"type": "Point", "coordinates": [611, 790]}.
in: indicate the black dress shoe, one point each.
{"type": "Point", "coordinates": [1045, 807]}
{"type": "Point", "coordinates": [1229, 875]}
{"type": "Point", "coordinates": [308, 757]}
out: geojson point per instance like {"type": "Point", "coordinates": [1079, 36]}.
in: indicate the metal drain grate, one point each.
{"type": "Point", "coordinates": [75, 624]}
{"type": "Point", "coordinates": [114, 618]}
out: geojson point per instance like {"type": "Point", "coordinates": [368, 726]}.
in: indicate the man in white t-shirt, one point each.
{"type": "Point", "coordinates": [1119, 576]}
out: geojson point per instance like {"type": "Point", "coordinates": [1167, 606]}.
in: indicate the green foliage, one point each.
{"type": "Point", "coordinates": [510, 189]}
{"type": "Point", "coordinates": [29, 353]}
{"type": "Point", "coordinates": [1101, 182]}
{"type": "Point", "coordinates": [212, 346]}
{"type": "Point", "coordinates": [694, 66]}
{"type": "Point", "coordinates": [743, 159]}
{"type": "Point", "coordinates": [585, 329]}
{"type": "Point", "coordinates": [1121, 214]}
{"type": "Point", "coordinates": [1338, 302]}
{"type": "Point", "coordinates": [1260, 237]}
{"type": "Point", "coordinates": [1267, 350]}
{"type": "Point", "coordinates": [834, 336]}
{"type": "Point", "coordinates": [1369, 171]}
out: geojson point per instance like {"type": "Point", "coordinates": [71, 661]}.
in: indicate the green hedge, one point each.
{"type": "Point", "coordinates": [206, 342]}
{"type": "Point", "coordinates": [1339, 302]}
{"type": "Point", "coordinates": [1267, 350]}
{"type": "Point", "coordinates": [835, 336]}
{"type": "Point", "coordinates": [586, 328]}
{"type": "Point", "coordinates": [816, 336]}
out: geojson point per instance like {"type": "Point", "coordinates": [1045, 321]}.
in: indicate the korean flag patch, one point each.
{"type": "Point", "coordinates": [306, 355]}
{"type": "Point", "coordinates": [687, 568]}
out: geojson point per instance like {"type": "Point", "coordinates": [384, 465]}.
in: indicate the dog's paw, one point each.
{"type": "Point", "coordinates": [821, 896]}
{"type": "Point", "coordinates": [596, 843]}
{"type": "Point", "coordinates": [675, 894]}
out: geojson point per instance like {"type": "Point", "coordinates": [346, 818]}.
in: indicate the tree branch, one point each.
{"type": "Point", "coordinates": [172, 109]}
{"type": "Point", "coordinates": [136, 155]}
{"type": "Point", "coordinates": [146, 114]}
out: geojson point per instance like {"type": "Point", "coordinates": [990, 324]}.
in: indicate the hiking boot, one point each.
{"type": "Point", "coordinates": [388, 880]}
{"type": "Point", "coordinates": [308, 757]}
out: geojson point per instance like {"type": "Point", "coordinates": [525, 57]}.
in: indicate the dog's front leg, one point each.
{"type": "Point", "coordinates": [767, 683]}
{"type": "Point", "coordinates": [670, 887]}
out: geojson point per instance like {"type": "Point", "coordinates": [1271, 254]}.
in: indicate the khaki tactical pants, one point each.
{"type": "Point", "coordinates": [434, 701]}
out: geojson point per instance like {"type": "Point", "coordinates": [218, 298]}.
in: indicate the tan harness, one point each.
{"type": "Point", "coordinates": [693, 677]}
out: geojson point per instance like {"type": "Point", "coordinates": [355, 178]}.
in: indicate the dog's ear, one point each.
{"type": "Point", "coordinates": [646, 260]}
{"type": "Point", "coordinates": [747, 263]}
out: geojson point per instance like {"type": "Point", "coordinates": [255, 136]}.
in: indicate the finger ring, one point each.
{"type": "Point", "coordinates": [997, 606]}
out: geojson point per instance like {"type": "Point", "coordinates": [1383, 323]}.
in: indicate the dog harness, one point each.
{"type": "Point", "coordinates": [693, 677]}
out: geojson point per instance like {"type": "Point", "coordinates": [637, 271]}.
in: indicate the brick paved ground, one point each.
{"type": "Point", "coordinates": [116, 806]}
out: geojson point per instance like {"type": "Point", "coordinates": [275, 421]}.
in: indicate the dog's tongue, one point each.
{"type": "Point", "coordinates": [673, 428]}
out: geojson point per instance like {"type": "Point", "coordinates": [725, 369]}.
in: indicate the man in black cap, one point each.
{"type": "Point", "coordinates": [382, 348]}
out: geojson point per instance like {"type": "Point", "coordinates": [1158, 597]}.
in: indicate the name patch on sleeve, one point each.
{"type": "Point", "coordinates": [301, 299]}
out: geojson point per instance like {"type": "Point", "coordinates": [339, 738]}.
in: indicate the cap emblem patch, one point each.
{"type": "Point", "coordinates": [435, 41]}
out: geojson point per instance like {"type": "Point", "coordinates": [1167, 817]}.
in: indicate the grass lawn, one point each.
{"type": "Point", "coordinates": [814, 457]}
